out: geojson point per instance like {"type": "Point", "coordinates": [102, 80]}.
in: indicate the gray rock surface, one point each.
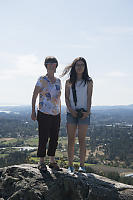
{"type": "Point", "coordinates": [26, 182]}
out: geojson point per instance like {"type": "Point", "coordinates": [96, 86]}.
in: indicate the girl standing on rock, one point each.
{"type": "Point", "coordinates": [78, 93]}
{"type": "Point", "coordinates": [48, 88]}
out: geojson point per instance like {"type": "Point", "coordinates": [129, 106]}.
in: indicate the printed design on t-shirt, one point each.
{"type": "Point", "coordinates": [49, 97]}
{"type": "Point", "coordinates": [41, 95]}
{"type": "Point", "coordinates": [57, 87]}
{"type": "Point", "coordinates": [54, 101]}
{"type": "Point", "coordinates": [55, 112]}
{"type": "Point", "coordinates": [44, 92]}
{"type": "Point", "coordinates": [47, 106]}
{"type": "Point", "coordinates": [44, 82]}
{"type": "Point", "coordinates": [40, 105]}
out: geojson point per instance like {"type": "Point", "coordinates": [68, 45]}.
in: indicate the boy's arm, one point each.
{"type": "Point", "coordinates": [34, 97]}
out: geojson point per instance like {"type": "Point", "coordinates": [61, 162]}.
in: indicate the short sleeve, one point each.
{"type": "Point", "coordinates": [60, 84]}
{"type": "Point", "coordinates": [39, 82]}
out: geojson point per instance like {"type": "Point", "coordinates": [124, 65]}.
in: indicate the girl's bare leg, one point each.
{"type": "Point", "coordinates": [71, 132]}
{"type": "Point", "coordinates": [82, 130]}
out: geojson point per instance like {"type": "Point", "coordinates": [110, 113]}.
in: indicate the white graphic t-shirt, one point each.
{"type": "Point", "coordinates": [49, 97]}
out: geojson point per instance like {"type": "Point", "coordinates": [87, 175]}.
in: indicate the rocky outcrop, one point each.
{"type": "Point", "coordinates": [26, 182]}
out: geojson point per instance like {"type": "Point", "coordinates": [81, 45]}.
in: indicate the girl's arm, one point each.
{"type": "Point", "coordinates": [67, 100]}
{"type": "Point", "coordinates": [89, 96]}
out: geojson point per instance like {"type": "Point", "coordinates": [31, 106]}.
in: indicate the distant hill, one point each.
{"type": "Point", "coordinates": [99, 114]}
{"type": "Point", "coordinates": [112, 107]}
{"type": "Point", "coordinates": [27, 108]}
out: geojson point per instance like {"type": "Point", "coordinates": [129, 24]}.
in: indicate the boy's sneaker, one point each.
{"type": "Point", "coordinates": [70, 169]}
{"type": "Point", "coordinates": [54, 166]}
{"type": "Point", "coordinates": [42, 167]}
{"type": "Point", "coordinates": [82, 169]}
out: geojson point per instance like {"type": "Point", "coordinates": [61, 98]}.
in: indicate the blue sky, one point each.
{"type": "Point", "coordinates": [101, 31]}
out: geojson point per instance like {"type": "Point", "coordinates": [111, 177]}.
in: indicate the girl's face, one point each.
{"type": "Point", "coordinates": [79, 67]}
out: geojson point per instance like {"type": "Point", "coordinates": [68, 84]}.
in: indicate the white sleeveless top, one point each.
{"type": "Point", "coordinates": [81, 92]}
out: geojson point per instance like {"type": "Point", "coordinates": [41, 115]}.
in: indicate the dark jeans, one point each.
{"type": "Point", "coordinates": [48, 127]}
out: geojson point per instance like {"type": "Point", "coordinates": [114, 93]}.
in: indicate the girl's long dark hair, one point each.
{"type": "Point", "coordinates": [73, 75]}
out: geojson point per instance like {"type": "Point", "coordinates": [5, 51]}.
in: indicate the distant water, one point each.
{"type": "Point", "coordinates": [21, 148]}
{"type": "Point", "coordinates": [5, 111]}
{"type": "Point", "coordinates": [8, 112]}
{"type": "Point", "coordinates": [8, 105]}
{"type": "Point", "coordinates": [129, 175]}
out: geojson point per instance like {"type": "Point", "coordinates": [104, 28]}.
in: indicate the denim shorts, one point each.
{"type": "Point", "coordinates": [74, 120]}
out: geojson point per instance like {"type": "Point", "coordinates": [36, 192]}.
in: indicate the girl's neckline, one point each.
{"type": "Point", "coordinates": [79, 80]}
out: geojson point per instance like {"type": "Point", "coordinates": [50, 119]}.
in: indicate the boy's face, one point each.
{"type": "Point", "coordinates": [51, 67]}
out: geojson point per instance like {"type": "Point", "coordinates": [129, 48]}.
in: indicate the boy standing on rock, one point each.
{"type": "Point", "coordinates": [48, 88]}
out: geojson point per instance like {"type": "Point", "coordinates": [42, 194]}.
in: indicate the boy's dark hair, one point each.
{"type": "Point", "coordinates": [50, 59]}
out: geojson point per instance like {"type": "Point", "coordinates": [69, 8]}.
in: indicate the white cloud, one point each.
{"type": "Point", "coordinates": [21, 66]}
{"type": "Point", "coordinates": [29, 65]}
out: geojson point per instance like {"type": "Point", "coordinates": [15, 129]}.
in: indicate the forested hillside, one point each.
{"type": "Point", "coordinates": [109, 138]}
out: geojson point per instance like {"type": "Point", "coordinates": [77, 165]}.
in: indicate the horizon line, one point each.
{"type": "Point", "coordinates": [65, 105]}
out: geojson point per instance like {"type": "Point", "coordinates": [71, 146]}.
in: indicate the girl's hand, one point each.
{"type": "Point", "coordinates": [74, 113]}
{"type": "Point", "coordinates": [85, 114]}
{"type": "Point", "coordinates": [33, 116]}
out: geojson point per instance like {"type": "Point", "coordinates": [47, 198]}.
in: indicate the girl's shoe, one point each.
{"type": "Point", "coordinates": [70, 169]}
{"type": "Point", "coordinates": [82, 169]}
